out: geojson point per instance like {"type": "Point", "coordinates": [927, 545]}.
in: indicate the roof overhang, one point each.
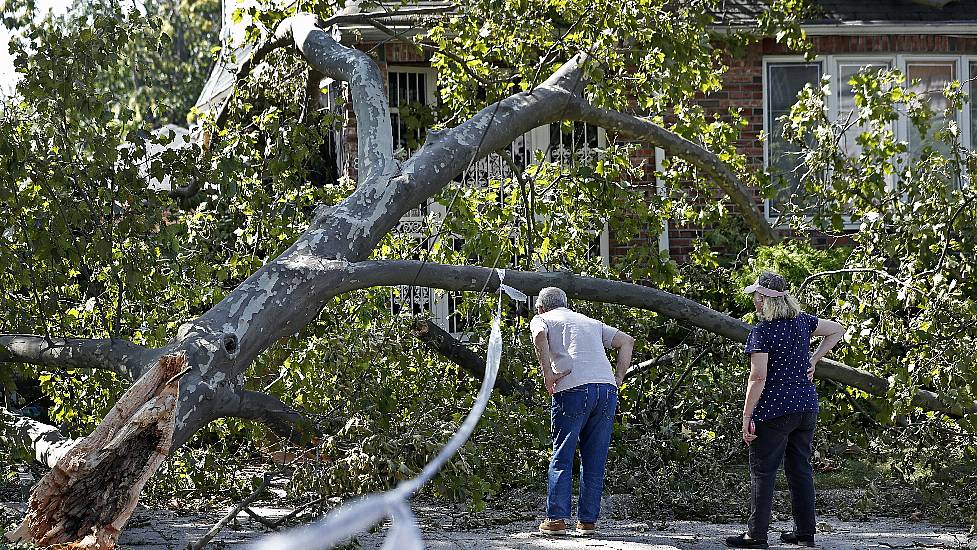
{"type": "Point", "coordinates": [889, 27]}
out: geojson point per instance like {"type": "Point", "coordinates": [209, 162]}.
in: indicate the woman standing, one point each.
{"type": "Point", "coordinates": [781, 408]}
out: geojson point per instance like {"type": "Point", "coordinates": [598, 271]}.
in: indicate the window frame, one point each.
{"type": "Point", "coordinates": [830, 67]}
{"type": "Point", "coordinates": [765, 84]}
{"type": "Point", "coordinates": [904, 60]}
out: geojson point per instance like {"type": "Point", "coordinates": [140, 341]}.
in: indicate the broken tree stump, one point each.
{"type": "Point", "coordinates": [87, 497]}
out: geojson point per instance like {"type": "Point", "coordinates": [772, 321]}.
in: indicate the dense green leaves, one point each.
{"type": "Point", "coordinates": [88, 249]}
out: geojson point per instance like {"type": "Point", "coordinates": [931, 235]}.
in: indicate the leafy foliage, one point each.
{"type": "Point", "coordinates": [90, 250]}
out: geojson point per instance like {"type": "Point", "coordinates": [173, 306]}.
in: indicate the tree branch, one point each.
{"type": "Point", "coordinates": [877, 272]}
{"type": "Point", "coordinates": [46, 444]}
{"type": "Point", "coordinates": [340, 18]}
{"type": "Point", "coordinates": [449, 277]}
{"type": "Point", "coordinates": [662, 360]}
{"type": "Point", "coordinates": [119, 356]}
{"type": "Point", "coordinates": [373, 130]}
{"type": "Point", "coordinates": [281, 419]}
{"type": "Point", "coordinates": [703, 159]}
{"type": "Point", "coordinates": [451, 349]}
{"type": "Point", "coordinates": [231, 514]}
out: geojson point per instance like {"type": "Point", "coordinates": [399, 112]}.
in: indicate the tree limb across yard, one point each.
{"type": "Point", "coordinates": [473, 278]}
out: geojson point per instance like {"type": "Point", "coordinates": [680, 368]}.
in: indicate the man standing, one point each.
{"type": "Point", "coordinates": [570, 347]}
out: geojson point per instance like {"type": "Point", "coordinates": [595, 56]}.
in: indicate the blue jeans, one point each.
{"type": "Point", "coordinates": [583, 414]}
{"type": "Point", "coordinates": [784, 439]}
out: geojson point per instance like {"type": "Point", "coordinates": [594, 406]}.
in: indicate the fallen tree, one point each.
{"type": "Point", "coordinates": [200, 375]}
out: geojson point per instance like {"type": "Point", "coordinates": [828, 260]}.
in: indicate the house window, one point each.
{"type": "Point", "coordinates": [784, 82]}
{"type": "Point", "coordinates": [410, 91]}
{"type": "Point", "coordinates": [847, 110]}
{"type": "Point", "coordinates": [928, 79]}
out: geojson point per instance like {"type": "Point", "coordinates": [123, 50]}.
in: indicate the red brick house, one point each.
{"type": "Point", "coordinates": [932, 41]}
{"type": "Point", "coordinates": [927, 42]}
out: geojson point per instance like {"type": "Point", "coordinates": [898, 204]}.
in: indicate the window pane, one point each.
{"type": "Point", "coordinates": [846, 103]}
{"type": "Point", "coordinates": [932, 77]}
{"type": "Point", "coordinates": [406, 87]}
{"type": "Point", "coordinates": [392, 89]}
{"type": "Point", "coordinates": [784, 82]}
{"type": "Point", "coordinates": [412, 84]}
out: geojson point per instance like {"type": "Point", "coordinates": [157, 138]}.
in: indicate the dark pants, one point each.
{"type": "Point", "coordinates": [784, 439]}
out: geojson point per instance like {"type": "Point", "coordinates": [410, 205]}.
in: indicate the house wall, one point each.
{"type": "Point", "coordinates": [742, 88]}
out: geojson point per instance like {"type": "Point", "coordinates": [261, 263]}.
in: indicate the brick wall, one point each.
{"type": "Point", "coordinates": [743, 88]}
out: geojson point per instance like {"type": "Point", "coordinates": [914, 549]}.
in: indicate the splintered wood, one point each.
{"type": "Point", "coordinates": [84, 501]}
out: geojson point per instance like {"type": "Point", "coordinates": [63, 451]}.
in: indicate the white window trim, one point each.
{"type": "Point", "coordinates": [829, 66]}
{"type": "Point", "coordinates": [663, 241]}
{"type": "Point", "coordinates": [966, 126]}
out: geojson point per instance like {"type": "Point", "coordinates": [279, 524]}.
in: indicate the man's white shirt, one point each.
{"type": "Point", "coordinates": [577, 345]}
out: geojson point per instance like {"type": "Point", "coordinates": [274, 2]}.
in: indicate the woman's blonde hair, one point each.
{"type": "Point", "coordinates": [774, 307]}
{"type": "Point", "coordinates": [781, 307]}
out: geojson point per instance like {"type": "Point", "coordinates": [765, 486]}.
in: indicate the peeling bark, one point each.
{"type": "Point", "coordinates": [373, 131]}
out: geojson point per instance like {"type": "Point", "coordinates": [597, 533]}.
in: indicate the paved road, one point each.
{"type": "Point", "coordinates": [168, 530]}
{"type": "Point", "coordinates": [682, 535]}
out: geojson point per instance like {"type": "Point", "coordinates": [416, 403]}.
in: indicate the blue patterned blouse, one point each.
{"type": "Point", "coordinates": [788, 343]}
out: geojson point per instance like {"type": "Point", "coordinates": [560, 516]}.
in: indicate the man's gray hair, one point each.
{"type": "Point", "coordinates": [552, 297]}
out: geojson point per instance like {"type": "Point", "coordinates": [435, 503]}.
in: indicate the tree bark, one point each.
{"type": "Point", "coordinates": [46, 443]}
{"type": "Point", "coordinates": [92, 490]}
{"type": "Point", "coordinates": [120, 356]}
{"type": "Point", "coordinates": [283, 420]}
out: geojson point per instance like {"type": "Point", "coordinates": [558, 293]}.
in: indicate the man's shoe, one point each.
{"type": "Point", "coordinates": [553, 527]}
{"type": "Point", "coordinates": [584, 528]}
{"type": "Point", "coordinates": [744, 541]}
{"type": "Point", "coordinates": [799, 540]}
